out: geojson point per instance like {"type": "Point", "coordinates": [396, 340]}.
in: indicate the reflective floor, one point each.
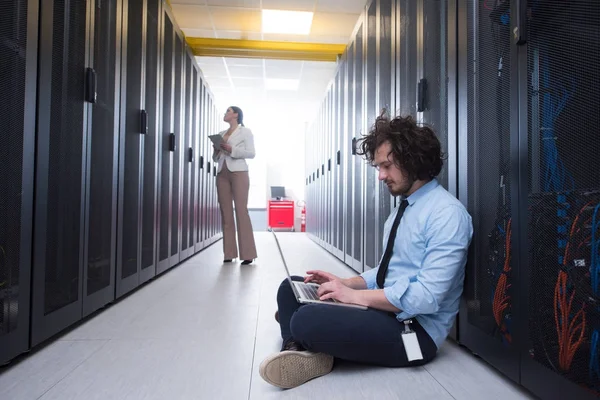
{"type": "Point", "coordinates": [200, 332]}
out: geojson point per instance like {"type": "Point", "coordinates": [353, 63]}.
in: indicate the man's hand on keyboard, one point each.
{"type": "Point", "coordinates": [336, 290]}
{"type": "Point", "coordinates": [320, 277]}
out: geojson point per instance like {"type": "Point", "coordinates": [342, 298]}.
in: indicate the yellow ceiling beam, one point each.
{"type": "Point", "coordinates": [242, 48]}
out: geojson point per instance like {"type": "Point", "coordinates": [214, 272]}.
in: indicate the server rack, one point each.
{"type": "Point", "coordinates": [18, 71]}
{"type": "Point", "coordinates": [168, 146]}
{"type": "Point", "coordinates": [194, 155]}
{"type": "Point", "coordinates": [200, 167]}
{"type": "Point", "coordinates": [370, 112]}
{"type": "Point", "coordinates": [339, 160]}
{"type": "Point", "coordinates": [74, 251]}
{"type": "Point", "coordinates": [490, 304]}
{"type": "Point", "coordinates": [94, 230]}
{"type": "Point", "coordinates": [557, 98]}
{"type": "Point", "coordinates": [102, 156]}
{"type": "Point", "coordinates": [187, 159]}
{"type": "Point", "coordinates": [384, 90]}
{"type": "Point", "coordinates": [152, 141]}
{"type": "Point", "coordinates": [180, 135]}
{"type": "Point", "coordinates": [359, 165]}
{"type": "Point", "coordinates": [137, 197]}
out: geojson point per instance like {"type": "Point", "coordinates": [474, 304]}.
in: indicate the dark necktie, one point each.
{"type": "Point", "coordinates": [385, 261]}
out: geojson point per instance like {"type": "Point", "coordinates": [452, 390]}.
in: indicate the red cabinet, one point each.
{"type": "Point", "coordinates": [281, 214]}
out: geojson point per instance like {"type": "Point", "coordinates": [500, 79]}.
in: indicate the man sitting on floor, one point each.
{"type": "Point", "coordinates": [419, 278]}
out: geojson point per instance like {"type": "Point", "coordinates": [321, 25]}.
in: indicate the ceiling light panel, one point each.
{"type": "Point", "coordinates": [287, 22]}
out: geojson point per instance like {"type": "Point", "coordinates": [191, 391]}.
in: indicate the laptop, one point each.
{"type": "Point", "coordinates": [306, 293]}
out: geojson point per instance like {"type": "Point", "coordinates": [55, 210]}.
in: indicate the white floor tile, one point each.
{"type": "Point", "coordinates": [201, 330]}
{"type": "Point", "coordinates": [40, 371]}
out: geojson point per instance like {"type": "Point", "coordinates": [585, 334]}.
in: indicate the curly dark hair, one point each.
{"type": "Point", "coordinates": [415, 149]}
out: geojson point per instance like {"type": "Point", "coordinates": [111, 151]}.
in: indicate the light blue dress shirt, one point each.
{"type": "Point", "coordinates": [427, 269]}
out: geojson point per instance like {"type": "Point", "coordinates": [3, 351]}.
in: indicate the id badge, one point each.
{"type": "Point", "coordinates": [411, 343]}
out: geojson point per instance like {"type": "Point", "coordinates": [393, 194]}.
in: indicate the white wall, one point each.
{"type": "Point", "coordinates": [279, 142]}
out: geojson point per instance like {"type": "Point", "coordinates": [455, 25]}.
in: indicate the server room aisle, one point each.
{"type": "Point", "coordinates": [201, 331]}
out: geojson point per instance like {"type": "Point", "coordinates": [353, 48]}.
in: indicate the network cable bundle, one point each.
{"type": "Point", "coordinates": [564, 200]}
{"type": "Point", "coordinates": [499, 239]}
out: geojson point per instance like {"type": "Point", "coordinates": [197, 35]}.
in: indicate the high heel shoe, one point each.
{"type": "Point", "coordinates": [246, 262]}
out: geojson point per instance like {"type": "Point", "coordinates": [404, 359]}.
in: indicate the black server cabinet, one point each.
{"type": "Point", "coordinates": [168, 146]}
{"type": "Point", "coordinates": [208, 166]}
{"type": "Point", "coordinates": [558, 101]}
{"type": "Point", "coordinates": [152, 141]}
{"type": "Point", "coordinates": [206, 152]}
{"type": "Point", "coordinates": [348, 153]}
{"type": "Point", "coordinates": [211, 173]}
{"type": "Point", "coordinates": [437, 80]}
{"type": "Point", "coordinates": [194, 155]}
{"type": "Point", "coordinates": [385, 89]}
{"type": "Point", "coordinates": [179, 72]}
{"type": "Point", "coordinates": [102, 157]}
{"type": "Point", "coordinates": [200, 168]}
{"type": "Point", "coordinates": [137, 157]}
{"type": "Point", "coordinates": [405, 58]}
{"type": "Point", "coordinates": [490, 305]}
{"type": "Point", "coordinates": [74, 249]}
{"type": "Point", "coordinates": [359, 164]}
{"type": "Point", "coordinates": [188, 159]}
{"type": "Point", "coordinates": [370, 113]}
{"type": "Point", "coordinates": [329, 186]}
{"type": "Point", "coordinates": [18, 69]}
{"type": "Point", "coordinates": [339, 159]}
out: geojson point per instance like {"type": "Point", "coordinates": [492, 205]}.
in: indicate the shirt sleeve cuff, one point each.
{"type": "Point", "coordinates": [370, 278]}
{"type": "Point", "coordinates": [395, 292]}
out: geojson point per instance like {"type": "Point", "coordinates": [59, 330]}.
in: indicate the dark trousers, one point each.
{"type": "Point", "coordinates": [371, 336]}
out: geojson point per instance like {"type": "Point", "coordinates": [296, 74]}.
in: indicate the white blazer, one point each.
{"type": "Point", "coordinates": [242, 147]}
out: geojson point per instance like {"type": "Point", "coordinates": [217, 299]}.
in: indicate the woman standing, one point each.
{"type": "Point", "coordinates": [233, 185]}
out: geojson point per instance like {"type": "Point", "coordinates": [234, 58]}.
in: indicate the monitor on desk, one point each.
{"type": "Point", "coordinates": [278, 192]}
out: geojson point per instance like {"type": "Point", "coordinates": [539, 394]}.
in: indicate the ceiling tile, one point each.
{"type": "Point", "coordinates": [295, 5]}
{"type": "Point", "coordinates": [194, 17]}
{"type": "Point", "coordinates": [246, 72]}
{"type": "Point", "coordinates": [202, 33]}
{"type": "Point", "coordinates": [213, 71]}
{"type": "Point", "coordinates": [284, 64]}
{"type": "Point", "coordinates": [240, 62]}
{"type": "Point", "coordinates": [327, 24]}
{"type": "Point", "coordinates": [342, 6]}
{"type": "Point", "coordinates": [282, 73]}
{"type": "Point", "coordinates": [209, 60]}
{"type": "Point", "coordinates": [247, 82]}
{"type": "Point", "coordinates": [235, 3]}
{"type": "Point", "coordinates": [236, 19]}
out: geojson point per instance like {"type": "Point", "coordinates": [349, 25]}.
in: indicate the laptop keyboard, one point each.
{"type": "Point", "coordinates": [310, 292]}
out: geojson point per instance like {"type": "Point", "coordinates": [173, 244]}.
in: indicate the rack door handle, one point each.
{"type": "Point", "coordinates": [143, 122]}
{"type": "Point", "coordinates": [172, 142]}
{"type": "Point", "coordinates": [91, 84]}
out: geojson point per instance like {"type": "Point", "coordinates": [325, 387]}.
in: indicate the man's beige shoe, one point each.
{"type": "Point", "coordinates": [289, 369]}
